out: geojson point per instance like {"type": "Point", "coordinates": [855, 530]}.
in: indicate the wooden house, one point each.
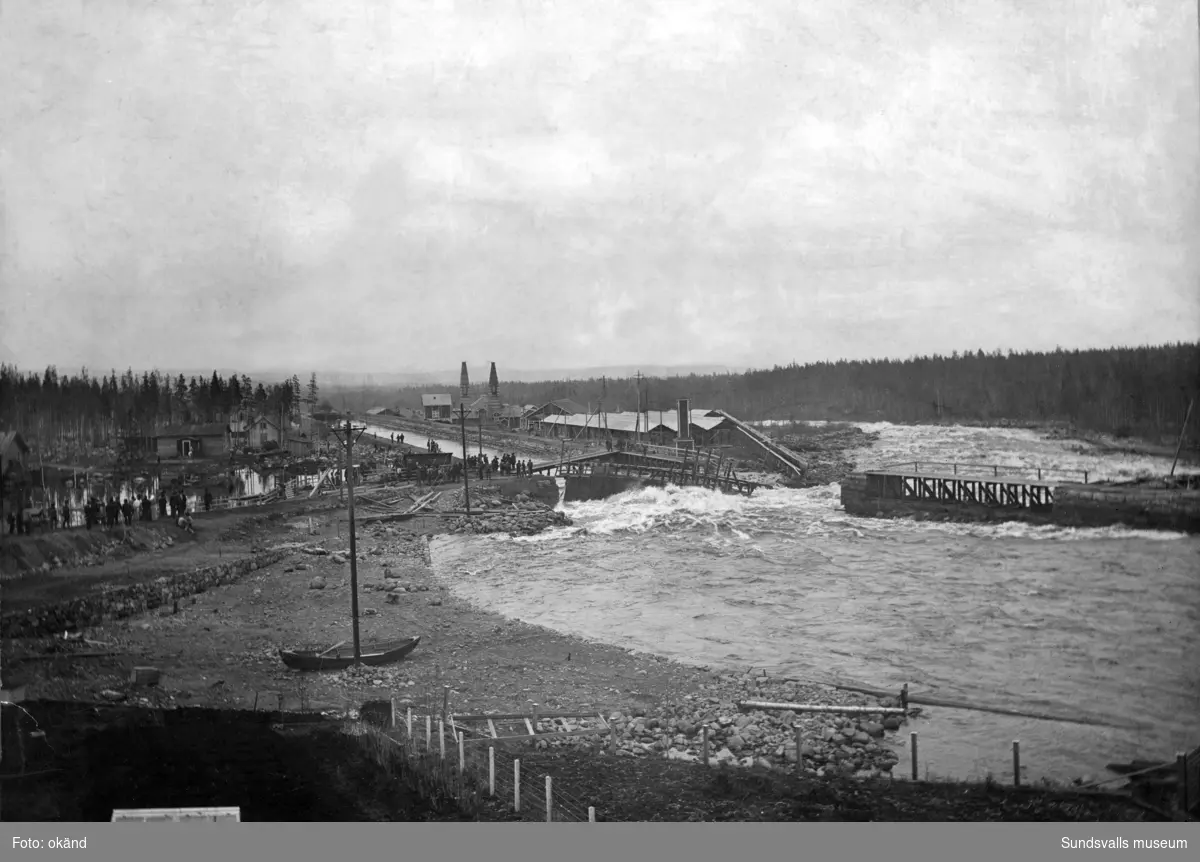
{"type": "Point", "coordinates": [437, 407]}
{"type": "Point", "coordinates": [209, 440]}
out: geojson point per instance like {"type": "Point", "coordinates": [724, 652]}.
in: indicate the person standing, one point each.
{"type": "Point", "coordinates": [208, 498]}
{"type": "Point", "coordinates": [127, 511]}
{"type": "Point", "coordinates": [66, 516]}
{"type": "Point", "coordinates": [53, 517]}
{"type": "Point", "coordinates": [162, 503]}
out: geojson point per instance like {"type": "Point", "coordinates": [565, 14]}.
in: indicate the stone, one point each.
{"type": "Point", "coordinates": [861, 738]}
{"type": "Point", "coordinates": [392, 598]}
{"type": "Point", "coordinates": [891, 723]}
{"type": "Point", "coordinates": [735, 743]}
{"type": "Point", "coordinates": [435, 602]}
{"type": "Point", "coordinates": [317, 583]}
{"type": "Point", "coordinates": [872, 728]}
{"type": "Point", "coordinates": [145, 676]}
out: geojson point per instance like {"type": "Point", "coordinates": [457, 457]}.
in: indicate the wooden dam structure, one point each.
{"type": "Point", "coordinates": [985, 492]}
{"type": "Point", "coordinates": [661, 467]}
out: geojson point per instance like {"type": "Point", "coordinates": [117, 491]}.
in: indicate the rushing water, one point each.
{"type": "Point", "coordinates": [1099, 623]}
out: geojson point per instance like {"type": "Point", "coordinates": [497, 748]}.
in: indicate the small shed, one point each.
{"type": "Point", "coordinates": [437, 406]}
{"type": "Point", "coordinates": [209, 440]}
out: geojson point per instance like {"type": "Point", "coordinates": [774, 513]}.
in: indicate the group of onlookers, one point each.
{"type": "Point", "coordinates": [111, 512]}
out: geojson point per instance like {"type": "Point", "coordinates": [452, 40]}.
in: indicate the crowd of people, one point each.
{"type": "Point", "coordinates": [112, 512]}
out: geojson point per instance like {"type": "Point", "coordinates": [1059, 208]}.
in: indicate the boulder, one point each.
{"type": "Point", "coordinates": [317, 583]}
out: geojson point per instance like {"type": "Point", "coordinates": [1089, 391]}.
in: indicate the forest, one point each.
{"type": "Point", "coordinates": [53, 408]}
{"type": "Point", "coordinates": [1125, 391]}
{"type": "Point", "coordinates": [1142, 391]}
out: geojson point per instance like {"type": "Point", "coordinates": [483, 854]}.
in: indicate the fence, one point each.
{"type": "Point", "coordinates": [433, 755]}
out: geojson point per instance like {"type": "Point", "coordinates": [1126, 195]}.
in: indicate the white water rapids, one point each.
{"type": "Point", "coordinates": [1098, 623]}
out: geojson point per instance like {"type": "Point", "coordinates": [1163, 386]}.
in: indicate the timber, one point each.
{"type": "Point", "coordinates": [820, 707]}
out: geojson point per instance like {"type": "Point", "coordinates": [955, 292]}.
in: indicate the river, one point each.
{"type": "Point", "coordinates": [1097, 623]}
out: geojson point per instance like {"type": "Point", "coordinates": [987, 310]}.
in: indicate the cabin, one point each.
{"type": "Point", "coordinates": [209, 440]}
{"type": "Point", "coordinates": [437, 407]}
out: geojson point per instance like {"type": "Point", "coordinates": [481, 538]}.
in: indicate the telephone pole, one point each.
{"type": "Point", "coordinates": [351, 438]}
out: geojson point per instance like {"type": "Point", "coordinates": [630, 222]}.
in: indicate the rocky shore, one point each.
{"type": "Point", "coordinates": [830, 744]}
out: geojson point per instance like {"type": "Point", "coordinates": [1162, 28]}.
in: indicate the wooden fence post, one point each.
{"type": "Point", "coordinates": [408, 721]}
{"type": "Point", "coordinates": [549, 801]}
{"type": "Point", "coordinates": [517, 784]}
{"type": "Point", "coordinates": [1183, 801]}
{"type": "Point", "coordinates": [462, 758]}
{"type": "Point", "coordinates": [913, 743]}
{"type": "Point", "coordinates": [1016, 763]}
{"type": "Point", "coordinates": [799, 759]}
{"type": "Point", "coordinates": [428, 733]}
{"type": "Point", "coordinates": [442, 738]}
{"type": "Point", "coordinates": [393, 723]}
{"type": "Point", "coordinates": [591, 814]}
{"type": "Point", "coordinates": [704, 744]}
{"type": "Point", "coordinates": [492, 771]}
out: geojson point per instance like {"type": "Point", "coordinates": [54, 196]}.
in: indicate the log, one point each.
{"type": "Point", "coordinates": [820, 707]}
{"type": "Point", "coordinates": [998, 710]}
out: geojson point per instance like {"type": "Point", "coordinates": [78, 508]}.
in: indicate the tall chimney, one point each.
{"type": "Point", "coordinates": [683, 436]}
{"type": "Point", "coordinates": [493, 381]}
{"type": "Point", "coordinates": [464, 384]}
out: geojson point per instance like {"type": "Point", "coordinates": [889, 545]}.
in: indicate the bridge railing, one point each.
{"type": "Point", "coordinates": [971, 469]}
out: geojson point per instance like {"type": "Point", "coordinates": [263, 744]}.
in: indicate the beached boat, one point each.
{"type": "Point", "coordinates": [384, 652]}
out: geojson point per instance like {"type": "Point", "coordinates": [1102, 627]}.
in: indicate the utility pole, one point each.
{"type": "Point", "coordinates": [1182, 435]}
{"type": "Point", "coordinates": [637, 410]}
{"type": "Point", "coordinates": [464, 386]}
{"type": "Point", "coordinates": [348, 430]}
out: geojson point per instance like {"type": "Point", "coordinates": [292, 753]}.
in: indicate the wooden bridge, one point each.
{"type": "Point", "coordinates": [990, 485]}
{"type": "Point", "coordinates": [688, 468]}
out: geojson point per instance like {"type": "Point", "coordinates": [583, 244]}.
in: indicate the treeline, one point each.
{"type": "Point", "coordinates": [1142, 391]}
{"type": "Point", "coordinates": [94, 410]}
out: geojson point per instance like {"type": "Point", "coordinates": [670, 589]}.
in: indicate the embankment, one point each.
{"type": "Point", "coordinates": [126, 601]}
{"type": "Point", "coordinates": [76, 547]}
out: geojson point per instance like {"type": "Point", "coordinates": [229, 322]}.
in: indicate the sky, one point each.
{"type": "Point", "coordinates": [375, 186]}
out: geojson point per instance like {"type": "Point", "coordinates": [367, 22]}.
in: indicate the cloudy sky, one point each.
{"type": "Point", "coordinates": [381, 186]}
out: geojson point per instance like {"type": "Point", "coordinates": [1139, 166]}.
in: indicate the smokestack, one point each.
{"type": "Point", "coordinates": [493, 381]}
{"type": "Point", "coordinates": [683, 436]}
{"type": "Point", "coordinates": [464, 384]}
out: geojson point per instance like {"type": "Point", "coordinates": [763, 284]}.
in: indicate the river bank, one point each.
{"type": "Point", "coordinates": [217, 649]}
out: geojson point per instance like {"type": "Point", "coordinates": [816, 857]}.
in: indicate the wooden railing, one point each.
{"type": "Point", "coordinates": [969, 469]}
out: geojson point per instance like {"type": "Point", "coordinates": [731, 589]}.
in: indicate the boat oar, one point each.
{"type": "Point", "coordinates": [331, 649]}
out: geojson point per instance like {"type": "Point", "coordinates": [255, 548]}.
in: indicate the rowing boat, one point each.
{"type": "Point", "coordinates": [381, 653]}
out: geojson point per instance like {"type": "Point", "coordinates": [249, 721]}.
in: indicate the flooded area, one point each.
{"type": "Point", "coordinates": [1094, 624]}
